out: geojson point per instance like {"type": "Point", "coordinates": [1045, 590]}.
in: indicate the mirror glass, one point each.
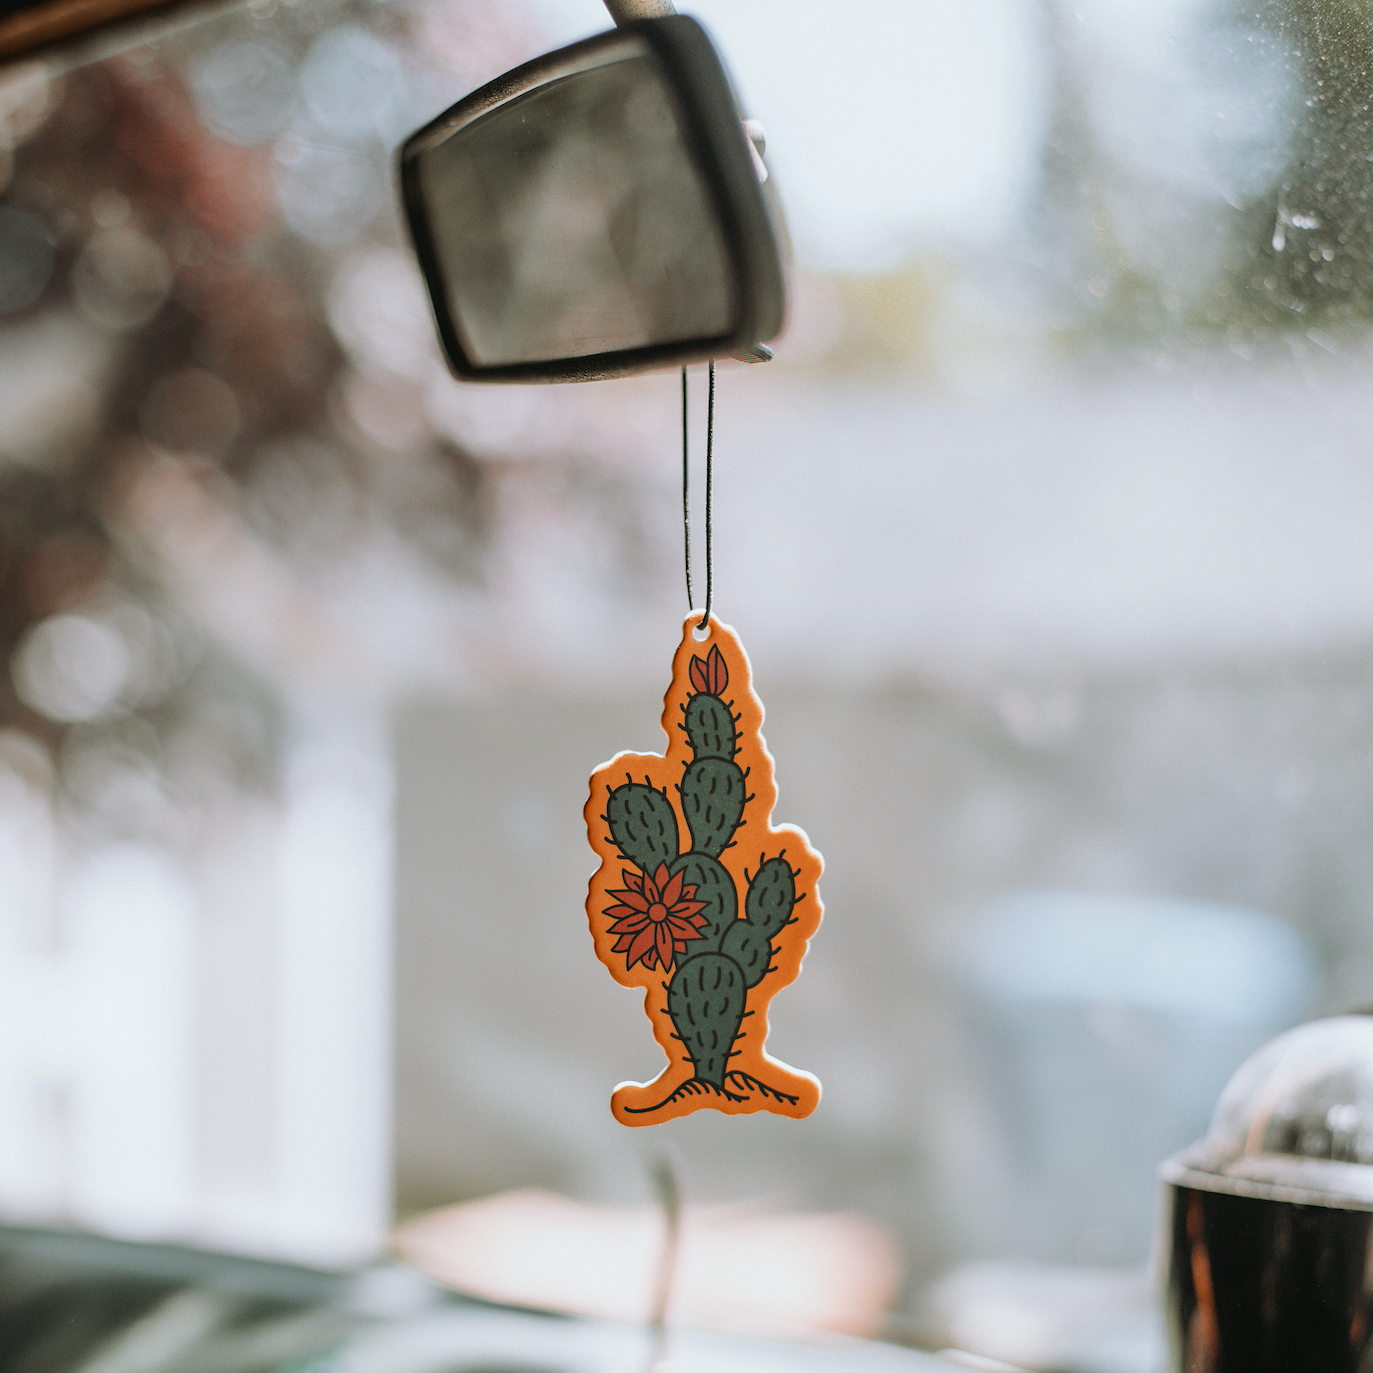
{"type": "Point", "coordinates": [572, 221]}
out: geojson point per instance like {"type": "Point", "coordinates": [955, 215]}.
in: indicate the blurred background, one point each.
{"type": "Point", "coordinates": [1047, 530]}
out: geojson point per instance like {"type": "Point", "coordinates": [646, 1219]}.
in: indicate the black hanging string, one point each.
{"type": "Point", "coordinates": [686, 494]}
{"type": "Point", "coordinates": [710, 482]}
{"type": "Point", "coordinates": [710, 491]}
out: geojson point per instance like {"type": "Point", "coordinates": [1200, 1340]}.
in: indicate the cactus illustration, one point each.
{"type": "Point", "coordinates": [677, 910]}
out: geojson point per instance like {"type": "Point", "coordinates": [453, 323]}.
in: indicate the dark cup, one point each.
{"type": "Point", "coordinates": [1267, 1224]}
{"type": "Point", "coordinates": [1259, 1285]}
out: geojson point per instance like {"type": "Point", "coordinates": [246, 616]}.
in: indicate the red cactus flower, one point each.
{"type": "Point", "coordinates": [656, 917]}
{"type": "Point", "coordinates": [709, 674]}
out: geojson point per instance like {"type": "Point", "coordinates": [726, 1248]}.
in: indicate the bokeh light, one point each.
{"type": "Point", "coordinates": [121, 278]}
{"type": "Point", "coordinates": [244, 90]}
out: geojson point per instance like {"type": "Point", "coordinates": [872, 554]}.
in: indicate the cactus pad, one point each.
{"type": "Point", "coordinates": [771, 895]}
{"type": "Point", "coordinates": [688, 907]}
{"type": "Point", "coordinates": [642, 824]}
{"type": "Point", "coordinates": [706, 1002]}
{"type": "Point", "coordinates": [715, 887]}
{"type": "Point", "coordinates": [750, 948]}
{"type": "Point", "coordinates": [710, 727]}
{"type": "Point", "coordinates": [713, 799]}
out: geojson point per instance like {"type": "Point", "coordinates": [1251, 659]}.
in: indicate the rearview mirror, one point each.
{"type": "Point", "coordinates": [596, 212]}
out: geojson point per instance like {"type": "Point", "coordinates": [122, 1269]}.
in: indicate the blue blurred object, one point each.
{"type": "Point", "coordinates": [1110, 1025]}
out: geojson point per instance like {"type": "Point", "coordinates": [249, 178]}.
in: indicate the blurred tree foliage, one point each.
{"type": "Point", "coordinates": [185, 324]}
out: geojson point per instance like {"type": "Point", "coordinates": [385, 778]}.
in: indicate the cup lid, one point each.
{"type": "Point", "coordinates": [1295, 1122]}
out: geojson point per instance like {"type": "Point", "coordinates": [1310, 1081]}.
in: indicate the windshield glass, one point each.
{"type": "Point", "coordinates": [1047, 531]}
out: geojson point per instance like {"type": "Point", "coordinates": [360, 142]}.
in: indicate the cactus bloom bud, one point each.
{"type": "Point", "coordinates": [709, 674]}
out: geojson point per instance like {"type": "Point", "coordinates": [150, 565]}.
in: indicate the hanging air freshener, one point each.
{"type": "Point", "coordinates": [699, 899]}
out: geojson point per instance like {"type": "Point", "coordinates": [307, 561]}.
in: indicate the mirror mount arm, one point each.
{"type": "Point", "coordinates": [627, 11]}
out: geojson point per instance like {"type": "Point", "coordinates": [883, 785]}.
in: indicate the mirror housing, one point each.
{"type": "Point", "coordinates": [597, 212]}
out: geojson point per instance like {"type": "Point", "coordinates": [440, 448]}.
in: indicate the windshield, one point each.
{"type": "Point", "coordinates": [1047, 531]}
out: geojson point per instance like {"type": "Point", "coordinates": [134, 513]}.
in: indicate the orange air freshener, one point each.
{"type": "Point", "coordinates": [699, 899]}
